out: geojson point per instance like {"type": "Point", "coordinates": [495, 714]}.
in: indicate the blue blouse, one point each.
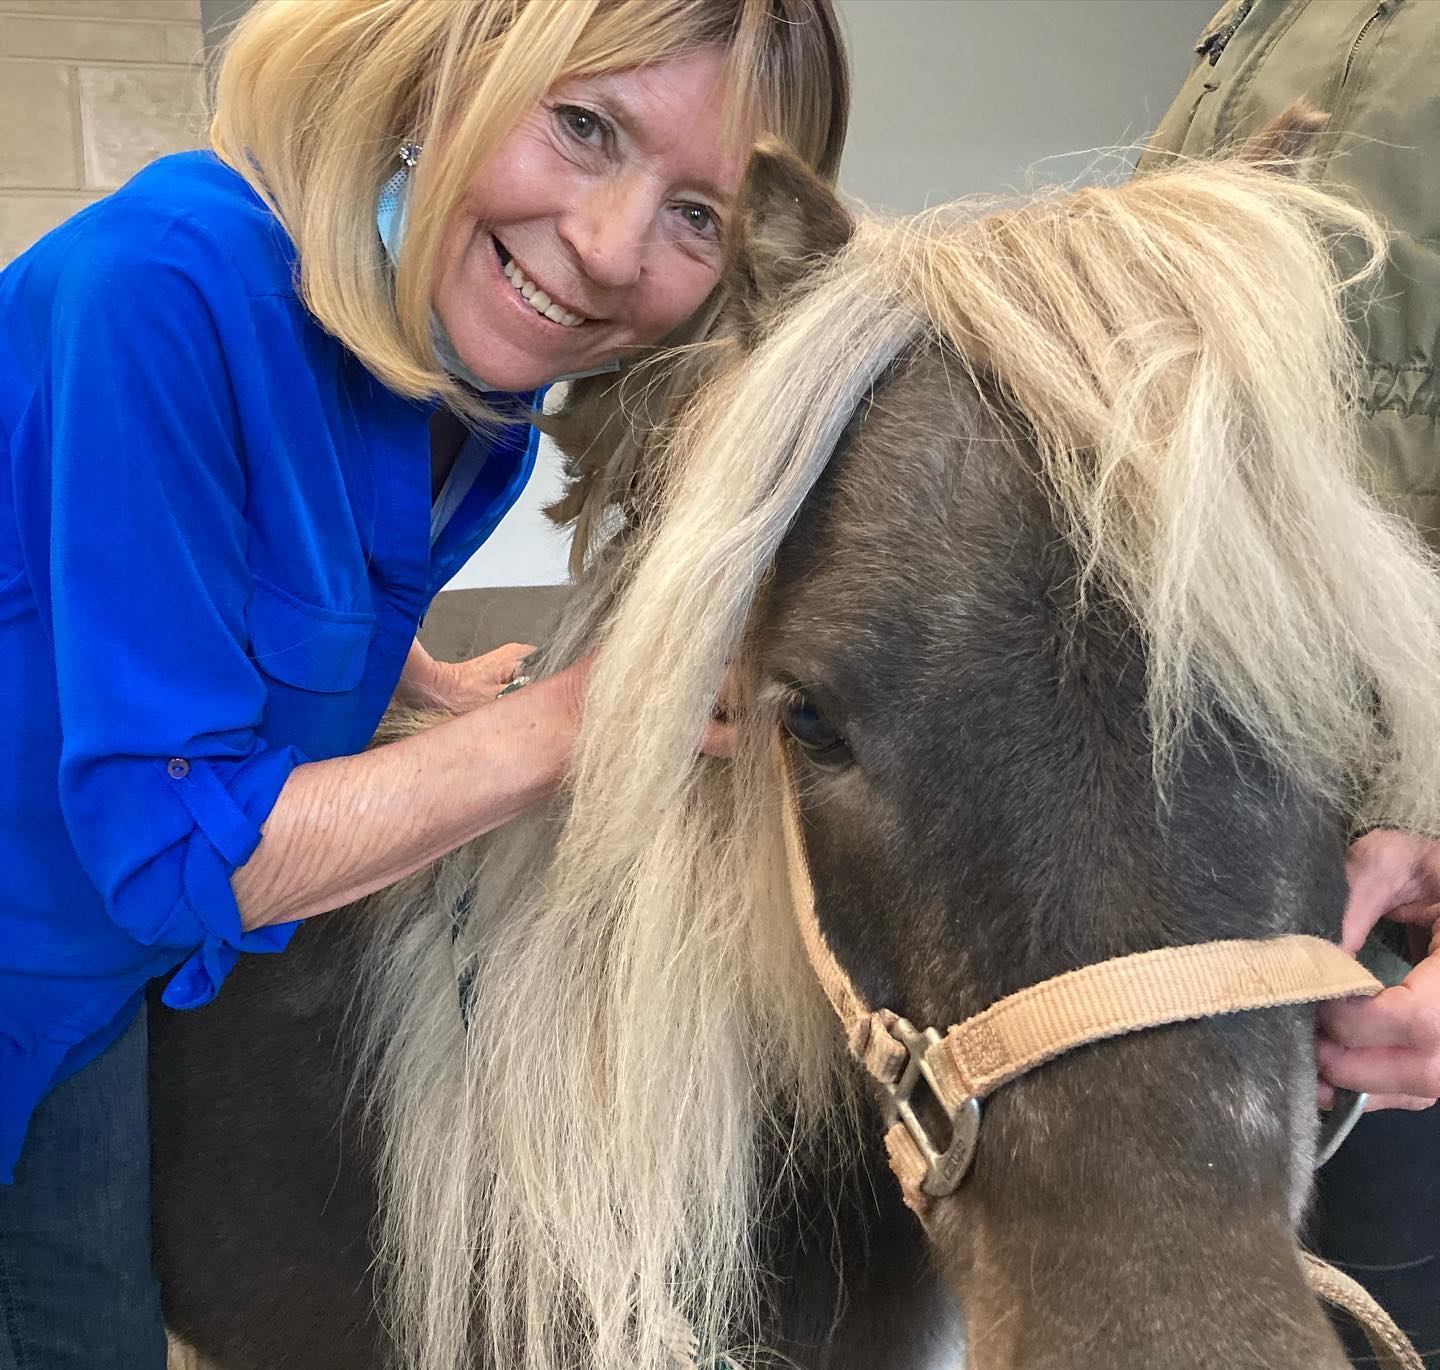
{"type": "Point", "coordinates": [214, 554]}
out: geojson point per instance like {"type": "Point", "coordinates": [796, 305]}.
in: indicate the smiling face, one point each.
{"type": "Point", "coordinates": [595, 226]}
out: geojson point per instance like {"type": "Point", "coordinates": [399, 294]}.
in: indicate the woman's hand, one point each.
{"type": "Point", "coordinates": [1389, 1046]}
{"type": "Point", "coordinates": [458, 686]}
{"type": "Point", "coordinates": [469, 684]}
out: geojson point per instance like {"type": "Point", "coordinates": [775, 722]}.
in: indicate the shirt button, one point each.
{"type": "Point", "coordinates": [177, 768]}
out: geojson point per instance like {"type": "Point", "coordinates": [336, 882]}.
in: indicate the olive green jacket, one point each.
{"type": "Point", "coordinates": [1374, 67]}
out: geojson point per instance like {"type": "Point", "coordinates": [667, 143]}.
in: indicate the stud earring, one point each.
{"type": "Point", "coordinates": [409, 154]}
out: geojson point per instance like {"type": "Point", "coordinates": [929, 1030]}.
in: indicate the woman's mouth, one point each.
{"type": "Point", "coordinates": [538, 300]}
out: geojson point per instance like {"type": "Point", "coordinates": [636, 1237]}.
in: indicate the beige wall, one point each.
{"type": "Point", "coordinates": [90, 90]}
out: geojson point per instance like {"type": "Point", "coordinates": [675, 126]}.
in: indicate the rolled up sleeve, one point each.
{"type": "Point", "coordinates": [133, 453]}
{"type": "Point", "coordinates": [163, 862]}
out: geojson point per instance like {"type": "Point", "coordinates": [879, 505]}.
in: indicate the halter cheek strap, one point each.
{"type": "Point", "coordinates": [1035, 1025]}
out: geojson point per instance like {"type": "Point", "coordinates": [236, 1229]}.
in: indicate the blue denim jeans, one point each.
{"type": "Point", "coordinates": [77, 1291]}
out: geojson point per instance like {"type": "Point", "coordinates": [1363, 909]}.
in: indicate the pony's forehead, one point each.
{"type": "Point", "coordinates": [1174, 358]}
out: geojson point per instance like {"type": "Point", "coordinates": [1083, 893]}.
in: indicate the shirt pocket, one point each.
{"type": "Point", "coordinates": [305, 645]}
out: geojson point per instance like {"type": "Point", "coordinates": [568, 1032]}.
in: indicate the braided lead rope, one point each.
{"type": "Point", "coordinates": [1393, 1349]}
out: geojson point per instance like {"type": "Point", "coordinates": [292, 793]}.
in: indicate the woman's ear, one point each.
{"type": "Point", "coordinates": [787, 223]}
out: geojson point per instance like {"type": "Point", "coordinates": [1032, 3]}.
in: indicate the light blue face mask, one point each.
{"type": "Point", "coordinates": [390, 221]}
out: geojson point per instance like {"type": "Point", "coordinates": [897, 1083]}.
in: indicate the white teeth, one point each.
{"type": "Point", "coordinates": [540, 302]}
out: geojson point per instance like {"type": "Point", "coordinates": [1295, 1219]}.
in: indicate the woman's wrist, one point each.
{"type": "Point", "coordinates": [425, 683]}
{"type": "Point", "coordinates": [541, 721]}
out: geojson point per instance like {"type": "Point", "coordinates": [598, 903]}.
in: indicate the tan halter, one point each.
{"type": "Point", "coordinates": [1035, 1025]}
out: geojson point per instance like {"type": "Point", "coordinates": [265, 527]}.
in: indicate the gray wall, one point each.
{"type": "Point", "coordinates": [956, 96]}
{"type": "Point", "coordinates": [217, 16]}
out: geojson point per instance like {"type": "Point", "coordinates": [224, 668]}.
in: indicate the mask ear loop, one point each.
{"type": "Point", "coordinates": [390, 224]}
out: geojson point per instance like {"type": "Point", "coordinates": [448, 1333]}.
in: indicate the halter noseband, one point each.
{"type": "Point", "coordinates": [965, 1065]}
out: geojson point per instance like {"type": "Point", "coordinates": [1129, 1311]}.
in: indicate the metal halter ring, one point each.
{"type": "Point", "coordinates": [1338, 1124]}
{"type": "Point", "coordinates": [950, 1160]}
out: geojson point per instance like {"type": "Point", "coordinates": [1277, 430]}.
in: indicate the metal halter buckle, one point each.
{"type": "Point", "coordinates": [948, 1163]}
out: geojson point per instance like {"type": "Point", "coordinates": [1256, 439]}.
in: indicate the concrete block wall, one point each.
{"type": "Point", "coordinates": [90, 90]}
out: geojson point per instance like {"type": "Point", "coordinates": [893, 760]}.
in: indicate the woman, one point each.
{"type": "Point", "coordinates": [218, 391]}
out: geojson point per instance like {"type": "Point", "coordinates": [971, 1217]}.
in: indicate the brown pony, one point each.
{"type": "Point", "coordinates": [1036, 534]}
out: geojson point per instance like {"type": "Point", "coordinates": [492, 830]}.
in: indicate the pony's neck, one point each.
{"type": "Point", "coordinates": [1200, 1265]}
{"type": "Point", "coordinates": [1243, 1305]}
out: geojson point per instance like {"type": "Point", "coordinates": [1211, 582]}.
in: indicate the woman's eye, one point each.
{"type": "Point", "coordinates": [811, 729]}
{"type": "Point", "coordinates": [582, 124]}
{"type": "Point", "coordinates": [699, 219]}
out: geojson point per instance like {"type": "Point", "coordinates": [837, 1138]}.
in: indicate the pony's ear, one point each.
{"type": "Point", "coordinates": [1287, 142]}
{"type": "Point", "coordinates": [787, 223]}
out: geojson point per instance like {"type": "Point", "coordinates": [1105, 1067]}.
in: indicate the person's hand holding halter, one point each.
{"type": "Point", "coordinates": [1389, 1046]}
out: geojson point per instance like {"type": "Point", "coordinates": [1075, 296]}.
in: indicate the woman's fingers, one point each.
{"type": "Point", "coordinates": [1404, 1015]}
{"type": "Point", "coordinates": [1325, 1097]}
{"type": "Point", "coordinates": [469, 684]}
{"type": "Point", "coordinates": [1388, 1045]}
{"type": "Point", "coordinates": [503, 663]}
{"type": "Point", "coordinates": [720, 737]}
{"type": "Point", "coordinates": [1381, 1072]}
{"type": "Point", "coordinates": [1391, 875]}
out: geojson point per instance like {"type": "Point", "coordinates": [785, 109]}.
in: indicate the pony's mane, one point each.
{"type": "Point", "coordinates": [575, 1172]}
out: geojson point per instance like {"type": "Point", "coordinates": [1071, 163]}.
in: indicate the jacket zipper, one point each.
{"type": "Point", "coordinates": [1360, 38]}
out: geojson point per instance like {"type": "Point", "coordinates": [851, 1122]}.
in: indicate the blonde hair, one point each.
{"type": "Point", "coordinates": [577, 1168]}
{"type": "Point", "coordinates": [313, 98]}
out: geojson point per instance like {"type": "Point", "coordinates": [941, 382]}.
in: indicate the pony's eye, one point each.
{"type": "Point", "coordinates": [812, 730]}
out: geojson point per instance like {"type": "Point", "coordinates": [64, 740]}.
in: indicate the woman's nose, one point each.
{"type": "Point", "coordinates": [609, 231]}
